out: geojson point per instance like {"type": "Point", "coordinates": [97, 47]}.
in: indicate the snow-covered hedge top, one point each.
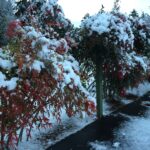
{"type": "Point", "coordinates": [38, 52]}
{"type": "Point", "coordinates": [66, 68]}
{"type": "Point", "coordinates": [116, 27]}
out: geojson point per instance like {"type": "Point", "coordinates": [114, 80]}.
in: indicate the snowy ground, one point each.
{"type": "Point", "coordinates": [44, 138]}
{"type": "Point", "coordinates": [133, 135]}
{"type": "Point", "coordinates": [142, 89]}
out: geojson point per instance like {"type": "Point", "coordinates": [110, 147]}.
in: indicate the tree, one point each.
{"type": "Point", "coordinates": [48, 16]}
{"type": "Point", "coordinates": [106, 44]}
{"type": "Point", "coordinates": [6, 15]}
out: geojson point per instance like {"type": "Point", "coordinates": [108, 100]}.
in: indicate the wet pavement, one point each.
{"type": "Point", "coordinates": [103, 129]}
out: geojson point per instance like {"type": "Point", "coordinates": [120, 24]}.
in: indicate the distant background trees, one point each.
{"type": "Point", "coordinates": [6, 15]}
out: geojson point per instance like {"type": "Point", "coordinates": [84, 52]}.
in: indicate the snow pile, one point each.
{"type": "Point", "coordinates": [142, 89]}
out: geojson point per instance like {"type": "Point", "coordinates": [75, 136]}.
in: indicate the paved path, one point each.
{"type": "Point", "coordinates": [102, 129]}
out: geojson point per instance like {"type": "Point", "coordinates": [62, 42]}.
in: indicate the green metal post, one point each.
{"type": "Point", "coordinates": [99, 90]}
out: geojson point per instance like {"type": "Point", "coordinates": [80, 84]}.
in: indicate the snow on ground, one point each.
{"type": "Point", "coordinates": [133, 135]}
{"type": "Point", "coordinates": [142, 89]}
{"type": "Point", "coordinates": [46, 137]}
{"type": "Point", "coordinates": [136, 133]}
{"type": "Point", "coordinates": [126, 101]}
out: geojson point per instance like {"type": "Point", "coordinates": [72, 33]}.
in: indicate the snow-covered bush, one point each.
{"type": "Point", "coordinates": [38, 78]}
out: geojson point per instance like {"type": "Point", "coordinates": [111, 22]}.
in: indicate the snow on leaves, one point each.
{"type": "Point", "coordinates": [115, 27]}
{"type": "Point", "coordinates": [38, 75]}
{"type": "Point", "coordinates": [118, 42]}
{"type": "Point", "coordinates": [9, 84]}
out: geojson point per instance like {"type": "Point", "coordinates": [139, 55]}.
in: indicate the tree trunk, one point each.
{"type": "Point", "coordinates": [99, 90]}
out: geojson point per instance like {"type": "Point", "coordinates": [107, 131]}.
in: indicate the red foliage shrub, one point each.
{"type": "Point", "coordinates": [12, 27]}
{"type": "Point", "coordinates": [38, 93]}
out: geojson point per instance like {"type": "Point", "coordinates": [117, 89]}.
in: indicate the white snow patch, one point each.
{"type": "Point", "coordinates": [9, 84]}
{"type": "Point", "coordinates": [37, 65]}
{"type": "Point", "coordinates": [98, 146]}
{"type": "Point", "coordinates": [6, 64]}
{"type": "Point", "coordinates": [137, 133]}
{"type": "Point", "coordinates": [116, 144]}
{"type": "Point", "coordinates": [72, 125]}
{"type": "Point", "coordinates": [142, 89]}
{"type": "Point", "coordinates": [133, 134]}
